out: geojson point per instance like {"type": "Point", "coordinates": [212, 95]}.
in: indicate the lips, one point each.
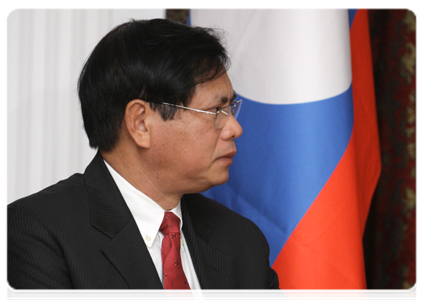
{"type": "Point", "coordinates": [229, 155]}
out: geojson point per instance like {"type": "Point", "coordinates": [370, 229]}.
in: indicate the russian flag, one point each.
{"type": "Point", "coordinates": [308, 160]}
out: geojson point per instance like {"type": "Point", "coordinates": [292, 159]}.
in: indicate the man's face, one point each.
{"type": "Point", "coordinates": [190, 154]}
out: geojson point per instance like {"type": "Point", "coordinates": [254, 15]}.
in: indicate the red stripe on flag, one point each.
{"type": "Point", "coordinates": [325, 250]}
{"type": "Point", "coordinates": [365, 120]}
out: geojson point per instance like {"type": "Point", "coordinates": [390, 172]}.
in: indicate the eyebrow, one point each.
{"type": "Point", "coordinates": [223, 100]}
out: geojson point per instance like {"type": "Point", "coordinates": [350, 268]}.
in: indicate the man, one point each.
{"type": "Point", "coordinates": [158, 104]}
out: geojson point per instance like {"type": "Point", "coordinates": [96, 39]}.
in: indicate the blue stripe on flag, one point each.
{"type": "Point", "coordinates": [351, 15]}
{"type": "Point", "coordinates": [189, 18]}
{"type": "Point", "coordinates": [273, 184]}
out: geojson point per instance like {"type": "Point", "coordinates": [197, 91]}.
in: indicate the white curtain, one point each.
{"type": "Point", "coordinates": [46, 51]}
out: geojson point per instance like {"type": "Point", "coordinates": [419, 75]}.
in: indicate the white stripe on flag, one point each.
{"type": "Point", "coordinates": [302, 71]}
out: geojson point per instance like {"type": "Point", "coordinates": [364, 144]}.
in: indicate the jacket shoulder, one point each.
{"type": "Point", "coordinates": [203, 204]}
{"type": "Point", "coordinates": [235, 235]}
{"type": "Point", "coordinates": [220, 216]}
{"type": "Point", "coordinates": [59, 197]}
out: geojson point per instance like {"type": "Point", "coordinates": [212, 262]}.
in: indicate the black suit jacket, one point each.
{"type": "Point", "coordinates": [79, 233]}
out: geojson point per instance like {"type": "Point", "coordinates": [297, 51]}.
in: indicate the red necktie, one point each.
{"type": "Point", "coordinates": [173, 274]}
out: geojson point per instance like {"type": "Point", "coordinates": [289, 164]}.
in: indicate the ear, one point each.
{"type": "Point", "coordinates": [137, 114]}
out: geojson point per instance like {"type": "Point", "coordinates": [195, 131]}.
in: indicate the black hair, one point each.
{"type": "Point", "coordinates": [154, 60]}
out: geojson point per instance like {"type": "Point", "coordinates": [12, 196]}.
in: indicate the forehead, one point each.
{"type": "Point", "coordinates": [215, 92]}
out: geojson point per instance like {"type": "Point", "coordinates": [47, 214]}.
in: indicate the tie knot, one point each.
{"type": "Point", "coordinates": [170, 224]}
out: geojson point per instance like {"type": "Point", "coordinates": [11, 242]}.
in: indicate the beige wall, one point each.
{"type": "Point", "coordinates": [45, 53]}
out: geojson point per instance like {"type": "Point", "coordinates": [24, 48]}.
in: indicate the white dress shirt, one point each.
{"type": "Point", "coordinates": [149, 216]}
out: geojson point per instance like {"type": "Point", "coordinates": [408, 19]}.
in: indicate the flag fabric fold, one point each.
{"type": "Point", "coordinates": [308, 160]}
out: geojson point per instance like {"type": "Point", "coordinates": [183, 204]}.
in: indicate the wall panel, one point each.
{"type": "Point", "coordinates": [46, 51]}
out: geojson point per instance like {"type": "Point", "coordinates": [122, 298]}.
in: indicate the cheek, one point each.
{"type": "Point", "coordinates": [187, 143]}
{"type": "Point", "coordinates": [207, 139]}
{"type": "Point", "coordinates": [198, 149]}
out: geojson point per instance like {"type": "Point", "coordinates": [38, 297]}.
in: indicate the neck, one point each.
{"type": "Point", "coordinates": [131, 168]}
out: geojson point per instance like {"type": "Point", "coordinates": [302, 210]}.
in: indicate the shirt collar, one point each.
{"type": "Point", "coordinates": [146, 212]}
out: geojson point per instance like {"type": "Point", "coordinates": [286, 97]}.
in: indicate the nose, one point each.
{"type": "Point", "coordinates": [232, 129]}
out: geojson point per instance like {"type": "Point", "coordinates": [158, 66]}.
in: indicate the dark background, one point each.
{"type": "Point", "coordinates": [390, 235]}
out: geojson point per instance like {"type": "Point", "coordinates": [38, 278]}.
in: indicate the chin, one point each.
{"type": "Point", "coordinates": [213, 182]}
{"type": "Point", "coordinates": [221, 180]}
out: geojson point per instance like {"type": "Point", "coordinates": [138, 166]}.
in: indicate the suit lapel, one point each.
{"type": "Point", "coordinates": [110, 214]}
{"type": "Point", "coordinates": [128, 253]}
{"type": "Point", "coordinates": [211, 262]}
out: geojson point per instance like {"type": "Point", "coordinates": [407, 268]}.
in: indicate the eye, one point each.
{"type": "Point", "coordinates": [216, 109]}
